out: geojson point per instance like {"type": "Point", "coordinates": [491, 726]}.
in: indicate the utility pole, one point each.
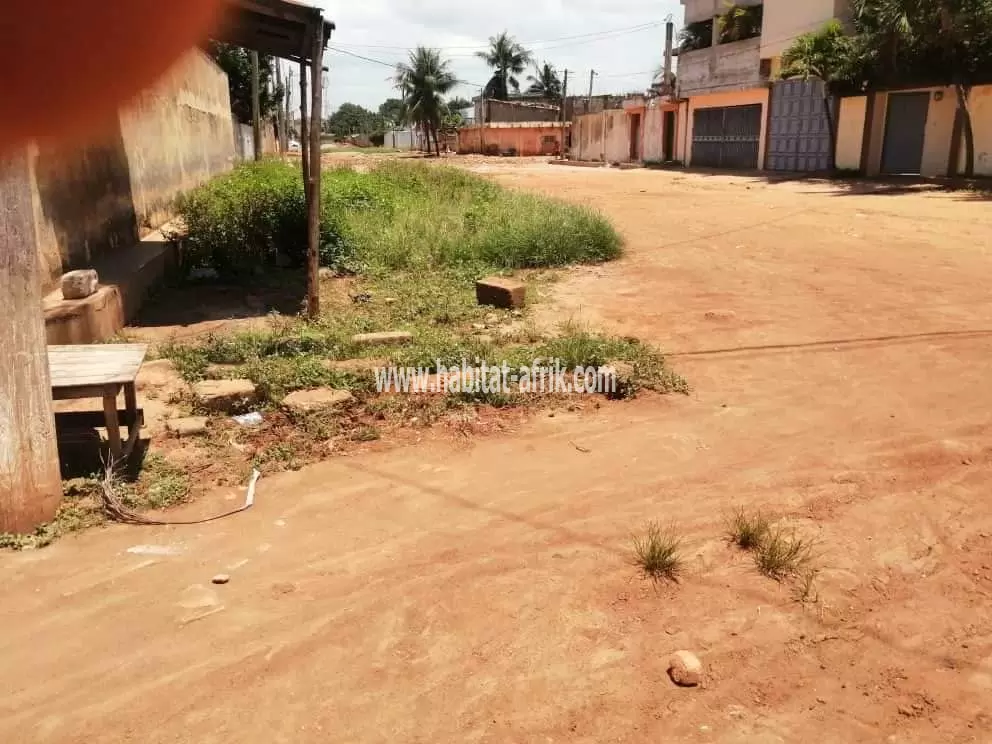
{"type": "Point", "coordinates": [281, 114]}
{"type": "Point", "coordinates": [30, 483]}
{"type": "Point", "coordinates": [256, 122]}
{"type": "Point", "coordinates": [564, 100]}
{"type": "Point", "coordinates": [592, 75]}
{"type": "Point", "coordinates": [669, 45]}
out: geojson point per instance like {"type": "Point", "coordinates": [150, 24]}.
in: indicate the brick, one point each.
{"type": "Point", "coordinates": [501, 292]}
{"type": "Point", "coordinates": [188, 426]}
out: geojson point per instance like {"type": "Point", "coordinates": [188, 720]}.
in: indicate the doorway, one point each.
{"type": "Point", "coordinates": [668, 143]}
{"type": "Point", "coordinates": [635, 138]}
{"type": "Point", "coordinates": [905, 132]}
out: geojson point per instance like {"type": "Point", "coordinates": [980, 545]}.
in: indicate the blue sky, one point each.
{"type": "Point", "coordinates": [614, 38]}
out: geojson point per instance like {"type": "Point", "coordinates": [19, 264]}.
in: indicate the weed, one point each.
{"type": "Point", "coordinates": [657, 552]}
{"type": "Point", "coordinates": [805, 590]}
{"type": "Point", "coordinates": [747, 531]}
{"type": "Point", "coordinates": [780, 555]}
{"type": "Point", "coordinates": [159, 486]}
{"type": "Point", "coordinates": [366, 434]}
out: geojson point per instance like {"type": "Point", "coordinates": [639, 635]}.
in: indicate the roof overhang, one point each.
{"type": "Point", "coordinates": [281, 28]}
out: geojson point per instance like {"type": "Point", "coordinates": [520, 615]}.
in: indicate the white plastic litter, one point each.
{"type": "Point", "coordinates": [248, 419]}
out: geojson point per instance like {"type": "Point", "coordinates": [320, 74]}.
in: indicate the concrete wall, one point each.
{"type": "Point", "coordinates": [603, 137]}
{"type": "Point", "coordinates": [937, 141]}
{"type": "Point", "coordinates": [515, 111]}
{"type": "Point", "coordinates": [96, 198]}
{"type": "Point", "coordinates": [735, 98]}
{"type": "Point", "coordinates": [851, 131]}
{"type": "Point", "coordinates": [723, 67]}
{"type": "Point", "coordinates": [653, 134]}
{"type": "Point", "coordinates": [980, 106]}
{"type": "Point", "coordinates": [527, 139]}
{"type": "Point", "coordinates": [784, 20]}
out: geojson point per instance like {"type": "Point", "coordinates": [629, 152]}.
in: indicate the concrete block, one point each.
{"type": "Point", "coordinates": [384, 338]}
{"type": "Point", "coordinates": [501, 292]}
{"type": "Point", "coordinates": [312, 400]}
{"type": "Point", "coordinates": [224, 395]}
{"type": "Point", "coordinates": [187, 426]}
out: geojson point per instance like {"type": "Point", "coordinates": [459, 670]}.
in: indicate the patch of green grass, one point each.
{"type": "Point", "coordinates": [657, 552]}
{"type": "Point", "coordinates": [781, 554]}
{"type": "Point", "coordinates": [80, 509]}
{"type": "Point", "coordinates": [366, 434]}
{"type": "Point", "coordinates": [160, 485]}
{"type": "Point", "coordinates": [747, 531]}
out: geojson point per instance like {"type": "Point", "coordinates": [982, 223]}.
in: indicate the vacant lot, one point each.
{"type": "Point", "coordinates": [838, 345]}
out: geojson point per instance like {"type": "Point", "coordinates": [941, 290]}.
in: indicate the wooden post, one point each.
{"type": "Point", "coordinates": [30, 482]}
{"type": "Point", "coordinates": [564, 116]}
{"type": "Point", "coordinates": [256, 122]}
{"type": "Point", "coordinates": [313, 197]}
{"type": "Point", "coordinates": [304, 132]}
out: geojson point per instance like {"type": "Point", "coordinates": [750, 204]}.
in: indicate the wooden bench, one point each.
{"type": "Point", "coordinates": [100, 371]}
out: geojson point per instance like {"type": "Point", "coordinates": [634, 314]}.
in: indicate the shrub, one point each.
{"type": "Point", "coordinates": [401, 215]}
{"type": "Point", "coordinates": [747, 531]}
{"type": "Point", "coordinates": [657, 552]}
{"type": "Point", "coordinates": [779, 555]}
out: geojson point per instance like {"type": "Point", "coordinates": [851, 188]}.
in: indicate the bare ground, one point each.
{"type": "Point", "coordinates": [482, 590]}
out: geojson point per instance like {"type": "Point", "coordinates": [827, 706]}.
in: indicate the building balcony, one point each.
{"type": "Point", "coordinates": [724, 67]}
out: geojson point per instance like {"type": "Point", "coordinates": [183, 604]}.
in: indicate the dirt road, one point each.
{"type": "Point", "coordinates": [838, 345]}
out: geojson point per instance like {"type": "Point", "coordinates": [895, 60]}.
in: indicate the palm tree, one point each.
{"type": "Point", "coordinates": [822, 55]}
{"type": "Point", "coordinates": [546, 83]}
{"type": "Point", "coordinates": [508, 59]}
{"type": "Point", "coordinates": [423, 81]}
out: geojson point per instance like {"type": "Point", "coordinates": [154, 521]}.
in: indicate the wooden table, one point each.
{"type": "Point", "coordinates": [101, 371]}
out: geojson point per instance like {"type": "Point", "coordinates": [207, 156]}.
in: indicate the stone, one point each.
{"type": "Point", "coordinates": [685, 669]}
{"type": "Point", "coordinates": [187, 426]}
{"type": "Point", "coordinates": [355, 366]}
{"type": "Point", "coordinates": [224, 395]}
{"type": "Point", "coordinates": [383, 338]}
{"type": "Point", "coordinates": [325, 273]}
{"type": "Point", "coordinates": [220, 579]}
{"type": "Point", "coordinates": [501, 292]}
{"type": "Point", "coordinates": [313, 400]}
{"type": "Point", "coordinates": [492, 319]}
{"type": "Point", "coordinates": [478, 326]}
{"type": "Point", "coordinates": [79, 284]}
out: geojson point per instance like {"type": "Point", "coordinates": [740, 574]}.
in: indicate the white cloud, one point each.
{"type": "Point", "coordinates": [383, 29]}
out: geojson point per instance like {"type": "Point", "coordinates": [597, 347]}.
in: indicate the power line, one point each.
{"type": "Point", "coordinates": [602, 32]}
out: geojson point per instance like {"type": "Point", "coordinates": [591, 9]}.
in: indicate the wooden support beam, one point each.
{"type": "Point", "coordinates": [313, 197]}
{"type": "Point", "coordinates": [30, 482]}
{"type": "Point", "coordinates": [256, 118]}
{"type": "Point", "coordinates": [304, 132]}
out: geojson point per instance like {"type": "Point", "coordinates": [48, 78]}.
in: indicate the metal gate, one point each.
{"type": "Point", "coordinates": [726, 137]}
{"type": "Point", "coordinates": [798, 130]}
{"type": "Point", "coordinates": [905, 131]}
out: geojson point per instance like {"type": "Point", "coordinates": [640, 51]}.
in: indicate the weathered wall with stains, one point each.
{"type": "Point", "coordinates": [653, 141]}
{"type": "Point", "coordinates": [603, 137]}
{"type": "Point", "coordinates": [522, 139]}
{"type": "Point", "coordinates": [851, 131]}
{"type": "Point", "coordinates": [980, 105]}
{"type": "Point", "coordinates": [94, 198]}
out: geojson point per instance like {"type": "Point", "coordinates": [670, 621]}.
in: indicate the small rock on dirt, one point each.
{"type": "Point", "coordinates": [220, 579]}
{"type": "Point", "coordinates": [325, 273]}
{"type": "Point", "coordinates": [685, 669]}
{"type": "Point", "coordinates": [383, 338]}
{"type": "Point", "coordinates": [224, 395]}
{"type": "Point", "coordinates": [187, 426]}
{"type": "Point", "coordinates": [312, 400]}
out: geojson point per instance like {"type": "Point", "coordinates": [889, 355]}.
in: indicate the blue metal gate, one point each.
{"type": "Point", "coordinates": [798, 130]}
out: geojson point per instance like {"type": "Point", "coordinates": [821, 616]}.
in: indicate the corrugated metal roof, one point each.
{"type": "Point", "coordinates": [282, 28]}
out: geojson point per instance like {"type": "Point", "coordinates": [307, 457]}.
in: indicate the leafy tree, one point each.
{"type": "Point", "coordinates": [546, 82]}
{"type": "Point", "coordinates": [392, 111]}
{"type": "Point", "coordinates": [508, 59]}
{"type": "Point", "coordinates": [350, 118]}
{"type": "Point", "coordinates": [825, 55]}
{"type": "Point", "coordinates": [236, 62]}
{"type": "Point", "coordinates": [423, 81]}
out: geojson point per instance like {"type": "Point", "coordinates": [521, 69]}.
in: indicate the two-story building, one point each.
{"type": "Point", "coordinates": [733, 115]}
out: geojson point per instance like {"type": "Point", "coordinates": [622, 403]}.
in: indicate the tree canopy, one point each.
{"type": "Point", "coordinates": [350, 118]}
{"type": "Point", "coordinates": [508, 59]}
{"type": "Point", "coordinates": [545, 82]}
{"type": "Point", "coordinates": [423, 81]}
{"type": "Point", "coordinates": [236, 63]}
